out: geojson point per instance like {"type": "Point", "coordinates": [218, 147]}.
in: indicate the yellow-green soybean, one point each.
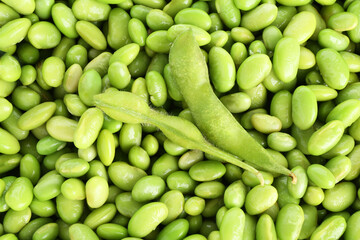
{"type": "Point", "coordinates": [236, 102]}
{"type": "Point", "coordinates": [44, 35]}
{"type": "Point", "coordinates": [228, 13]}
{"type": "Point", "coordinates": [289, 222]}
{"type": "Point", "coordinates": [61, 128]}
{"type": "Point", "coordinates": [265, 228]}
{"type": "Point", "coordinates": [329, 38]}
{"type": "Point", "coordinates": [286, 59]}
{"type": "Point", "coordinates": [124, 175]}
{"type": "Point", "coordinates": [307, 58]}
{"type": "Point", "coordinates": [147, 218]}
{"type": "Point", "coordinates": [90, 10]}
{"type": "Point", "coordinates": [193, 16]}
{"type": "Point", "coordinates": [137, 31]}
{"type": "Point", "coordinates": [64, 19]}
{"type": "Point", "coordinates": [158, 41]}
{"type": "Point", "coordinates": [301, 27]}
{"type": "Point", "coordinates": [156, 88]}
{"type": "Point", "coordinates": [281, 107]}
{"type": "Point", "coordinates": [48, 186]}
{"type": "Point", "coordinates": [304, 107]}
{"type": "Point", "coordinates": [253, 71]}
{"type": "Point", "coordinates": [352, 230]}
{"type": "Point", "coordinates": [91, 34]}
{"type": "Point", "coordinates": [298, 189]}
{"type": "Point", "coordinates": [21, 218]}
{"type": "Point", "coordinates": [10, 68]}
{"type": "Point", "coordinates": [265, 123]}
{"type": "Point", "coordinates": [333, 68]}
{"type": "Point", "coordinates": [97, 191]}
{"type": "Point", "coordinates": [326, 137]}
{"type": "Point", "coordinates": [340, 166]}
{"type": "Point", "coordinates": [80, 231]}
{"type": "Point", "coordinates": [118, 34]}
{"type": "Point", "coordinates": [260, 17]}
{"type": "Point", "coordinates": [321, 176]}
{"type": "Point", "coordinates": [100, 215]}
{"type": "Point", "coordinates": [88, 128]}
{"type": "Point", "coordinates": [347, 112]}
{"type": "Point", "coordinates": [232, 224]}
{"type": "Point", "coordinates": [36, 116]}
{"type": "Point", "coordinates": [323, 93]}
{"type": "Point", "coordinates": [294, 2]}
{"type": "Point", "coordinates": [333, 227]}
{"type": "Point", "coordinates": [260, 198]}
{"type": "Point", "coordinates": [340, 197]}
{"type": "Point", "coordinates": [343, 21]}
{"type": "Point", "coordinates": [157, 19]}
{"type": "Point", "coordinates": [106, 147]}
{"type": "Point", "coordinates": [222, 69]}
{"type": "Point", "coordinates": [53, 71]}
{"type": "Point", "coordinates": [8, 143]}
{"type": "Point", "coordinates": [73, 189]}
{"type": "Point", "coordinates": [14, 32]}
{"type": "Point", "coordinates": [19, 195]}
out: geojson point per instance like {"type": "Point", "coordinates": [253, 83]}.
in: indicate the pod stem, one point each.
{"type": "Point", "coordinates": [294, 178]}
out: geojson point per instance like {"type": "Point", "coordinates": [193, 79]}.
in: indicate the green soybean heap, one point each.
{"type": "Point", "coordinates": [179, 119]}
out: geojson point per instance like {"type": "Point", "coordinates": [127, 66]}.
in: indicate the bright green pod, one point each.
{"type": "Point", "coordinates": [80, 231]}
{"type": "Point", "coordinates": [281, 107]}
{"type": "Point", "coordinates": [147, 218]}
{"type": "Point", "coordinates": [88, 128]}
{"type": "Point", "coordinates": [36, 116]}
{"type": "Point", "coordinates": [19, 195]}
{"type": "Point", "coordinates": [137, 31]}
{"type": "Point", "coordinates": [321, 176]}
{"type": "Point", "coordinates": [124, 175]}
{"type": "Point", "coordinates": [294, 3]}
{"type": "Point", "coordinates": [97, 191]}
{"type": "Point", "coordinates": [207, 170]}
{"type": "Point", "coordinates": [21, 218]}
{"type": "Point", "coordinates": [158, 41]}
{"type": "Point", "coordinates": [8, 143]}
{"type": "Point", "coordinates": [260, 198]}
{"type": "Point", "coordinates": [126, 205]}
{"type": "Point", "coordinates": [310, 221]}
{"type": "Point", "coordinates": [228, 13]}
{"type": "Point", "coordinates": [265, 228]}
{"type": "Point", "coordinates": [53, 71]}
{"type": "Point", "coordinates": [301, 27]}
{"type": "Point", "coordinates": [193, 16]}
{"type": "Point", "coordinates": [148, 188]}
{"type": "Point", "coordinates": [259, 17]}
{"type": "Point", "coordinates": [48, 186]}
{"type": "Point", "coordinates": [343, 21]}
{"type": "Point", "coordinates": [100, 215]}
{"type": "Point", "coordinates": [333, 68]}
{"type": "Point", "coordinates": [340, 166]}
{"type": "Point", "coordinates": [332, 227]}
{"type": "Point", "coordinates": [44, 35]}
{"type": "Point", "coordinates": [326, 137]}
{"type": "Point", "coordinates": [307, 58]}
{"type": "Point", "coordinates": [156, 88]}
{"type": "Point", "coordinates": [233, 224]}
{"type": "Point", "coordinates": [352, 229]}
{"type": "Point", "coordinates": [89, 86]}
{"type": "Point", "coordinates": [285, 61]}
{"type": "Point", "coordinates": [73, 189]}
{"type": "Point", "coordinates": [347, 112]}
{"type": "Point", "coordinates": [14, 32]}
{"type": "Point", "coordinates": [10, 69]}
{"type": "Point", "coordinates": [157, 19]}
{"type": "Point", "coordinates": [49, 230]}
{"type": "Point", "coordinates": [91, 34]}
{"type": "Point", "coordinates": [106, 147]}
{"type": "Point", "coordinates": [304, 107]}
{"type": "Point", "coordinates": [61, 128]}
{"type": "Point", "coordinates": [118, 35]}
{"type": "Point", "coordinates": [253, 71]}
{"type": "Point", "coordinates": [222, 69]}
{"type": "Point", "coordinates": [90, 10]}
{"type": "Point", "coordinates": [329, 38]}
{"type": "Point", "coordinates": [298, 189]}
{"type": "Point", "coordinates": [71, 168]}
{"type": "Point", "coordinates": [202, 37]}
{"type": "Point", "coordinates": [64, 20]}
{"type": "Point", "coordinates": [289, 222]}
{"type": "Point", "coordinates": [111, 231]}
{"type": "Point", "coordinates": [340, 197]}
{"type": "Point", "coordinates": [323, 93]}
{"type": "Point", "coordinates": [281, 142]}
